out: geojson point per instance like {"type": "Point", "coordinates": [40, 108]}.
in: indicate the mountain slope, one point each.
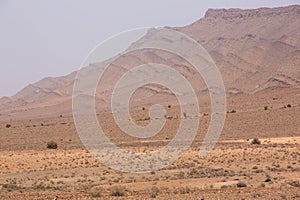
{"type": "Point", "coordinates": [251, 46]}
{"type": "Point", "coordinates": [254, 50]}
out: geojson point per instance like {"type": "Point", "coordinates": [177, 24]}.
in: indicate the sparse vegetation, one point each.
{"type": "Point", "coordinates": [117, 191]}
{"type": "Point", "coordinates": [147, 118]}
{"type": "Point", "coordinates": [11, 186]}
{"type": "Point", "coordinates": [8, 126]}
{"type": "Point", "coordinates": [295, 183]}
{"type": "Point", "coordinates": [256, 141]}
{"type": "Point", "coordinates": [184, 190]}
{"type": "Point", "coordinates": [96, 192]}
{"type": "Point", "coordinates": [241, 184]}
{"type": "Point", "coordinates": [154, 192]}
{"type": "Point", "coordinates": [232, 111]}
{"type": "Point", "coordinates": [52, 145]}
{"type": "Point", "coordinates": [268, 180]}
{"type": "Point", "coordinates": [224, 186]}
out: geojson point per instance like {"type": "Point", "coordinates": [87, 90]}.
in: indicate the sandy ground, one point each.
{"type": "Point", "coordinates": [235, 169]}
{"type": "Point", "coordinates": [269, 170]}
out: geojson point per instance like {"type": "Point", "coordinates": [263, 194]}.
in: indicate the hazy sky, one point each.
{"type": "Point", "coordinates": [51, 38]}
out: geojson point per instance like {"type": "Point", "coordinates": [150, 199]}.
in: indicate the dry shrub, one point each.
{"type": "Point", "coordinates": [256, 141]}
{"type": "Point", "coordinates": [52, 145]}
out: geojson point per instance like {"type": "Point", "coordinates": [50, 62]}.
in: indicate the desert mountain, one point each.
{"type": "Point", "coordinates": [254, 50]}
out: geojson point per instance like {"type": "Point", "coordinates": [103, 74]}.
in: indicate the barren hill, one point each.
{"type": "Point", "coordinates": [254, 50]}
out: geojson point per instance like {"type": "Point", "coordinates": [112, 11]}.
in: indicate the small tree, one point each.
{"type": "Point", "coordinates": [8, 125]}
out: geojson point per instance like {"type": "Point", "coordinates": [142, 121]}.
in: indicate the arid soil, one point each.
{"type": "Point", "coordinates": [235, 169]}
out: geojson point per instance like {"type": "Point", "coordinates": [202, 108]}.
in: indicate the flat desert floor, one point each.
{"type": "Point", "coordinates": [235, 169]}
